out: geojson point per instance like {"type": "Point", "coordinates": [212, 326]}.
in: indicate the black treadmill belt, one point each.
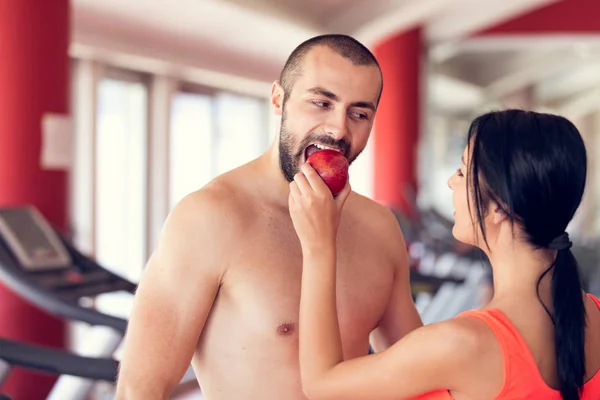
{"type": "Point", "coordinates": [57, 362]}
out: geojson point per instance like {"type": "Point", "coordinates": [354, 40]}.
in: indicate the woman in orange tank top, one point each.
{"type": "Point", "coordinates": [521, 179]}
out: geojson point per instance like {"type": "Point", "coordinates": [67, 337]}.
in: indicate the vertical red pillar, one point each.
{"type": "Point", "coordinates": [34, 80]}
{"type": "Point", "coordinates": [397, 124]}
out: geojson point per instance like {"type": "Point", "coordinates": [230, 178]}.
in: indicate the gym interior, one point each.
{"type": "Point", "coordinates": [112, 111]}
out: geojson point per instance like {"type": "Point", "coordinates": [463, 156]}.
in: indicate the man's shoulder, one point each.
{"type": "Point", "coordinates": [377, 224]}
{"type": "Point", "coordinates": [219, 204]}
{"type": "Point", "coordinates": [372, 212]}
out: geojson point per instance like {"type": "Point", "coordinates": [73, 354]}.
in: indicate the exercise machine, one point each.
{"type": "Point", "coordinates": [447, 277]}
{"type": "Point", "coordinates": [52, 361]}
{"type": "Point", "coordinates": [40, 265]}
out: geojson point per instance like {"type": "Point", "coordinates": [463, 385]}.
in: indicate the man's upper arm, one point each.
{"type": "Point", "coordinates": [401, 315]}
{"type": "Point", "coordinates": [174, 298]}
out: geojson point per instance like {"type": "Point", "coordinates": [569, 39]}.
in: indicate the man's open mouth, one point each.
{"type": "Point", "coordinates": [315, 147]}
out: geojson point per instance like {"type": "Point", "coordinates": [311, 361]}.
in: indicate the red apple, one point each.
{"type": "Point", "coordinates": [332, 167]}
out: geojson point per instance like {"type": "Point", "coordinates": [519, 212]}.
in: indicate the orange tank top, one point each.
{"type": "Point", "coordinates": [522, 379]}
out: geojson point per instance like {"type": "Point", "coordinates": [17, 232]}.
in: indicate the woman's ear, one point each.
{"type": "Point", "coordinates": [498, 214]}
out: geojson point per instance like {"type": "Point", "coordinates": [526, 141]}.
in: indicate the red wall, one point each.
{"type": "Point", "coordinates": [396, 130]}
{"type": "Point", "coordinates": [34, 79]}
{"type": "Point", "coordinates": [566, 16]}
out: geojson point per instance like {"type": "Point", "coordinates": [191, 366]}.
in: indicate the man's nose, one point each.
{"type": "Point", "coordinates": [337, 124]}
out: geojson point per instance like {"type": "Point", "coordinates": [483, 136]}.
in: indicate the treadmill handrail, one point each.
{"type": "Point", "coordinates": [20, 282]}
{"type": "Point", "coordinates": [84, 262]}
{"type": "Point", "coordinates": [55, 305]}
{"type": "Point", "coordinates": [59, 362]}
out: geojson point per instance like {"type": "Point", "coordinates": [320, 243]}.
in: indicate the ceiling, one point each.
{"type": "Point", "coordinates": [243, 44]}
{"type": "Point", "coordinates": [556, 75]}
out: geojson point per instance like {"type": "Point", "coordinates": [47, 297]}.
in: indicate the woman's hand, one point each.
{"type": "Point", "coordinates": [315, 212]}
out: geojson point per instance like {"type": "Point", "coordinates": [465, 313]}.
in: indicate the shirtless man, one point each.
{"type": "Point", "coordinates": [222, 289]}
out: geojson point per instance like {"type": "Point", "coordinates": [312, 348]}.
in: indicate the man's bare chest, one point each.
{"type": "Point", "coordinates": [264, 284]}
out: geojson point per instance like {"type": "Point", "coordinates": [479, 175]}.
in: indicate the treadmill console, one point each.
{"type": "Point", "coordinates": [32, 240]}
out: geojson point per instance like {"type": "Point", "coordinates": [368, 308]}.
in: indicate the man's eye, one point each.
{"type": "Point", "coordinates": [360, 115]}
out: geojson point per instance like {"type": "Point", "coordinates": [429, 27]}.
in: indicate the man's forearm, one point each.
{"type": "Point", "coordinates": [147, 390]}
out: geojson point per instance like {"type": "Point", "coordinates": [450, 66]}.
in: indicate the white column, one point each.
{"type": "Point", "coordinates": [82, 186]}
{"type": "Point", "coordinates": [85, 78]}
{"type": "Point", "coordinates": [594, 172]}
{"type": "Point", "coordinates": [161, 92]}
{"type": "Point", "coordinates": [585, 217]}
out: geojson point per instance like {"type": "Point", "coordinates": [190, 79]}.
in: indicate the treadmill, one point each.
{"type": "Point", "coordinates": [38, 264]}
{"type": "Point", "coordinates": [53, 361]}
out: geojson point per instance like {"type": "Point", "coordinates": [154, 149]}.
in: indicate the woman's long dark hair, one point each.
{"type": "Point", "coordinates": [534, 167]}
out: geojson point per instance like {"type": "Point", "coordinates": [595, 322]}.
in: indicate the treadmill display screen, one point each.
{"type": "Point", "coordinates": [32, 240]}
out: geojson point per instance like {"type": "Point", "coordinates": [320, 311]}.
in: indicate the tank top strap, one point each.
{"type": "Point", "coordinates": [502, 333]}
{"type": "Point", "coordinates": [520, 369]}
{"type": "Point", "coordinates": [595, 299]}
{"type": "Point", "coordinates": [506, 333]}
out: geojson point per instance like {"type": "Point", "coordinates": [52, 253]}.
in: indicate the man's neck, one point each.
{"type": "Point", "coordinates": [277, 188]}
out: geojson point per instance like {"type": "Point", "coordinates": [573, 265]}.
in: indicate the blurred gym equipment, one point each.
{"type": "Point", "coordinates": [38, 264]}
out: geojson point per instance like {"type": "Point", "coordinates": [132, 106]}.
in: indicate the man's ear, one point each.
{"type": "Point", "coordinates": [277, 97]}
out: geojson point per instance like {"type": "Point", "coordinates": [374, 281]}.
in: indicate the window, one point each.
{"type": "Point", "coordinates": [121, 148]}
{"type": "Point", "coordinates": [361, 172]}
{"type": "Point", "coordinates": [190, 144]}
{"type": "Point", "coordinates": [241, 130]}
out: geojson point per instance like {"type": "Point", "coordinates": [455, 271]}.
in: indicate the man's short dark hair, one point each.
{"type": "Point", "coordinates": [344, 45]}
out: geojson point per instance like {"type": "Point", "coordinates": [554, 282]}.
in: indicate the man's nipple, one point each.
{"type": "Point", "coordinates": [286, 329]}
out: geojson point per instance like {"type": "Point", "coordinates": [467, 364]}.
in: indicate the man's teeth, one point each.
{"type": "Point", "coordinates": [322, 147]}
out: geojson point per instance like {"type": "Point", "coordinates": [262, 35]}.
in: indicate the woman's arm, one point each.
{"type": "Point", "coordinates": [318, 314]}
{"type": "Point", "coordinates": [434, 357]}
{"type": "Point", "coordinates": [428, 359]}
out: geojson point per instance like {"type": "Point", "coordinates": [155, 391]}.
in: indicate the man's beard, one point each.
{"type": "Point", "coordinates": [289, 159]}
